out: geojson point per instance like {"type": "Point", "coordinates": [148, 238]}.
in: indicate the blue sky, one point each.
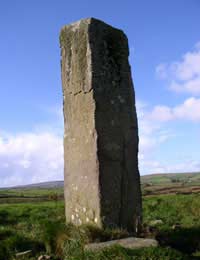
{"type": "Point", "coordinates": [164, 41]}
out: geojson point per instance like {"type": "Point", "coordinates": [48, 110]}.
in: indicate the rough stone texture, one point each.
{"type": "Point", "coordinates": [102, 183]}
{"type": "Point", "coordinates": [131, 243]}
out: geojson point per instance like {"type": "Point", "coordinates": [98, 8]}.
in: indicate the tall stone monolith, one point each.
{"type": "Point", "coordinates": [102, 183]}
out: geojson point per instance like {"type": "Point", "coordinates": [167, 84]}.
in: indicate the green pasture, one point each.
{"type": "Point", "coordinates": [40, 227]}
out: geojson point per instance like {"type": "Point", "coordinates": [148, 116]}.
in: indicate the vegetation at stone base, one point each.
{"type": "Point", "coordinates": [41, 227]}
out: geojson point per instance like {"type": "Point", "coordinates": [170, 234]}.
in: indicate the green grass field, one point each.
{"type": "Point", "coordinates": [151, 185]}
{"type": "Point", "coordinates": [159, 179]}
{"type": "Point", "coordinates": [40, 226]}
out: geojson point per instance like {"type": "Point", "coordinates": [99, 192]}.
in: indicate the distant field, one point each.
{"type": "Point", "coordinates": [15, 195]}
{"type": "Point", "coordinates": [187, 178]}
{"type": "Point", "coordinates": [179, 183]}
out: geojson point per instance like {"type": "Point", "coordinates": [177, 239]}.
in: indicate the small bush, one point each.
{"type": "Point", "coordinates": [96, 234]}
{"type": "Point", "coordinates": [59, 237]}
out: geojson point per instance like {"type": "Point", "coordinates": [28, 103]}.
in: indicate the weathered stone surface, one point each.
{"type": "Point", "coordinates": [102, 183]}
{"type": "Point", "coordinates": [131, 243]}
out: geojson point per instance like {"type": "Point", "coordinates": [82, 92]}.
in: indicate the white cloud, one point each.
{"type": "Point", "coordinates": [145, 125]}
{"type": "Point", "coordinates": [189, 67]}
{"type": "Point", "coordinates": [33, 156]}
{"type": "Point", "coordinates": [30, 157]}
{"type": "Point", "coordinates": [154, 132]}
{"type": "Point", "coordinates": [183, 75]}
{"type": "Point", "coordinates": [162, 113]}
{"type": "Point", "coordinates": [191, 86]}
{"type": "Point", "coordinates": [151, 132]}
{"type": "Point", "coordinates": [153, 166]}
{"type": "Point", "coordinates": [189, 110]}
{"type": "Point", "coordinates": [38, 155]}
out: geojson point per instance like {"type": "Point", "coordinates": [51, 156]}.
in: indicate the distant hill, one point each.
{"type": "Point", "coordinates": [42, 185]}
{"type": "Point", "coordinates": [156, 179]}
{"type": "Point", "coordinates": [153, 179]}
{"type": "Point", "coordinates": [154, 184]}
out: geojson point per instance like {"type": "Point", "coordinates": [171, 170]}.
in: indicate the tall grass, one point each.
{"type": "Point", "coordinates": [41, 227]}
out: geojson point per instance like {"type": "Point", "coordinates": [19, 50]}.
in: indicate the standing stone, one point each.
{"type": "Point", "coordinates": [102, 183]}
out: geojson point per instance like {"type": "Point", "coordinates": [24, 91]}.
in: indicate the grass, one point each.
{"type": "Point", "coordinates": [144, 254]}
{"type": "Point", "coordinates": [40, 226]}
{"type": "Point", "coordinates": [32, 194]}
{"type": "Point", "coordinates": [180, 215]}
{"type": "Point", "coordinates": [159, 179]}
